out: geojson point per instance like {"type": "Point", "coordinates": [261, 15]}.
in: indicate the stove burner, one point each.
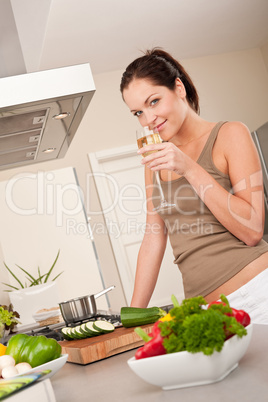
{"type": "Point", "coordinates": [54, 330]}
{"type": "Point", "coordinates": [48, 333]}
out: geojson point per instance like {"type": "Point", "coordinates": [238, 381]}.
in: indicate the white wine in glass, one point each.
{"type": "Point", "coordinates": [145, 136]}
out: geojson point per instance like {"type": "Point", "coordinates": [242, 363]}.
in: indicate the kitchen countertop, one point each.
{"type": "Point", "coordinates": [112, 380]}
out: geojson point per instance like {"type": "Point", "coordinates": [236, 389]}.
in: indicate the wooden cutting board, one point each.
{"type": "Point", "coordinates": [89, 350]}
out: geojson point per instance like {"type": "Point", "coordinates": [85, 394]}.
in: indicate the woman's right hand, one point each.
{"type": "Point", "coordinates": [169, 157]}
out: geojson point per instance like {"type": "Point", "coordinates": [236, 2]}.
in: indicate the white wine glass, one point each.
{"type": "Point", "coordinates": [145, 136]}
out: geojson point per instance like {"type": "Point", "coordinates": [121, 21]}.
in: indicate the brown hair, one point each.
{"type": "Point", "coordinates": [161, 69]}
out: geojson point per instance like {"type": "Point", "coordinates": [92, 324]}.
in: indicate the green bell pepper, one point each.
{"type": "Point", "coordinates": [35, 350]}
{"type": "Point", "coordinates": [15, 345]}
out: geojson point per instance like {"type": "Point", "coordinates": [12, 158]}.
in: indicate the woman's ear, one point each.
{"type": "Point", "coordinates": [180, 88]}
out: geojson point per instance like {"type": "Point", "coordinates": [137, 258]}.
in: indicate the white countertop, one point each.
{"type": "Point", "coordinates": [112, 380]}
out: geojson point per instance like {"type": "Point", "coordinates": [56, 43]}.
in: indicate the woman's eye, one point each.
{"type": "Point", "coordinates": [154, 102]}
{"type": "Point", "coordinates": [137, 114]}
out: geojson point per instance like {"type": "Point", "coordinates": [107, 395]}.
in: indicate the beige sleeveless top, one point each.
{"type": "Point", "coordinates": [206, 253]}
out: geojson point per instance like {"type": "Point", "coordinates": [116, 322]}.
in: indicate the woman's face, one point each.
{"type": "Point", "coordinates": [157, 106]}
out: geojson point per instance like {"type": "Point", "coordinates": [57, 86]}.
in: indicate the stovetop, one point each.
{"type": "Point", "coordinates": [54, 330]}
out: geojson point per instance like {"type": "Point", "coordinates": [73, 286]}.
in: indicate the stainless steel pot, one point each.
{"type": "Point", "coordinates": [81, 308]}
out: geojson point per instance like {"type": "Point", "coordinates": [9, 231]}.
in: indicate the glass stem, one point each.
{"type": "Point", "coordinates": [157, 176]}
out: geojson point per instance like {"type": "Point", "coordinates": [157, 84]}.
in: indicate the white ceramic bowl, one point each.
{"type": "Point", "coordinates": [44, 315]}
{"type": "Point", "coordinates": [53, 365]}
{"type": "Point", "coordinates": [184, 369]}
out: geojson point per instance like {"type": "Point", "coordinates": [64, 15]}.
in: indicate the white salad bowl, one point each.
{"type": "Point", "coordinates": [54, 366]}
{"type": "Point", "coordinates": [184, 369]}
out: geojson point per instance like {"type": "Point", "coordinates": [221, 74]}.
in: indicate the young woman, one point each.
{"type": "Point", "coordinates": [212, 172]}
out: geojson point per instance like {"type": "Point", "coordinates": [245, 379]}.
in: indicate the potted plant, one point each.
{"type": "Point", "coordinates": [31, 280]}
{"type": "Point", "coordinates": [33, 293]}
{"type": "Point", "coordinates": [8, 320]}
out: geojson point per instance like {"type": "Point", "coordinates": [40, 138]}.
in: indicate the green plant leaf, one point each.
{"type": "Point", "coordinates": [57, 276]}
{"type": "Point", "coordinates": [38, 281]}
{"type": "Point", "coordinates": [14, 276]}
{"type": "Point", "coordinates": [53, 265]}
{"type": "Point", "coordinates": [27, 273]}
{"type": "Point", "coordinates": [13, 287]}
{"type": "Point", "coordinates": [32, 281]}
{"type": "Point", "coordinates": [174, 301]}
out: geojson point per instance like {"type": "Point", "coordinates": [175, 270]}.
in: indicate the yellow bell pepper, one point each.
{"type": "Point", "coordinates": [167, 317]}
{"type": "Point", "coordinates": [2, 349]}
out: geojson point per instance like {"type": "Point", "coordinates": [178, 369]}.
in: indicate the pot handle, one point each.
{"type": "Point", "coordinates": [103, 292]}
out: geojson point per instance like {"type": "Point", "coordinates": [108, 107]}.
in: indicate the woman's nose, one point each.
{"type": "Point", "coordinates": [150, 118]}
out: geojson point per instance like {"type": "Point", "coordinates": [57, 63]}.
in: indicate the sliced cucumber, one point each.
{"type": "Point", "coordinates": [84, 330]}
{"type": "Point", "coordinates": [74, 333]}
{"type": "Point", "coordinates": [69, 333]}
{"type": "Point", "coordinates": [79, 333]}
{"type": "Point", "coordinates": [65, 333]}
{"type": "Point", "coordinates": [89, 327]}
{"type": "Point", "coordinates": [103, 326]}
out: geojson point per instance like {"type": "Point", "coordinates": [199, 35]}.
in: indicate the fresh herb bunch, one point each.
{"type": "Point", "coordinates": [196, 329]}
{"type": "Point", "coordinates": [8, 317]}
{"type": "Point", "coordinates": [32, 281]}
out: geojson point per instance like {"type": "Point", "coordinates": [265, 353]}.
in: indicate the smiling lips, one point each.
{"type": "Point", "coordinates": [160, 126]}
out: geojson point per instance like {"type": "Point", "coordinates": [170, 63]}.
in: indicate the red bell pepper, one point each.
{"type": "Point", "coordinates": [154, 343]}
{"type": "Point", "coordinates": [241, 316]}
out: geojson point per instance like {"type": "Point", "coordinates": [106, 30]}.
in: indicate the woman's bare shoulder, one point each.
{"type": "Point", "coordinates": [234, 136]}
{"type": "Point", "coordinates": [234, 130]}
{"type": "Point", "coordinates": [238, 148]}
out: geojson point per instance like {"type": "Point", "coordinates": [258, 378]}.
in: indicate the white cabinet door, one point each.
{"type": "Point", "coordinates": [119, 178]}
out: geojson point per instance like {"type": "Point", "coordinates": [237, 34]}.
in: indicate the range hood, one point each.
{"type": "Point", "coordinates": [40, 113]}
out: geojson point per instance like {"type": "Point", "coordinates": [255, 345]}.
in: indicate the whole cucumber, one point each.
{"type": "Point", "coordinates": [134, 316]}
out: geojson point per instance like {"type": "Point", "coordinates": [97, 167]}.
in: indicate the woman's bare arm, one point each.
{"type": "Point", "coordinates": [151, 251]}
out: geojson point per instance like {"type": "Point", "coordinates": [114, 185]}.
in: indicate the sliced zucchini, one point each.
{"type": "Point", "coordinates": [79, 333]}
{"type": "Point", "coordinates": [65, 333]}
{"type": "Point", "coordinates": [89, 327]}
{"type": "Point", "coordinates": [84, 331]}
{"type": "Point", "coordinates": [103, 326]}
{"type": "Point", "coordinates": [74, 334]}
{"type": "Point", "coordinates": [69, 332]}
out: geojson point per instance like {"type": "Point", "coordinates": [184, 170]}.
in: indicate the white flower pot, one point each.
{"type": "Point", "coordinates": [28, 301]}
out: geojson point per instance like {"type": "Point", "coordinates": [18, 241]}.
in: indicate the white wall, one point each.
{"type": "Point", "coordinates": [264, 52]}
{"type": "Point", "coordinates": [41, 214]}
{"type": "Point", "coordinates": [231, 86]}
